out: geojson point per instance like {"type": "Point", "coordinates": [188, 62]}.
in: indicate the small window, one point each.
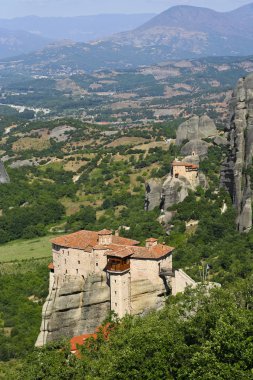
{"type": "Point", "coordinates": [115, 281]}
{"type": "Point", "coordinates": [65, 261]}
{"type": "Point", "coordinates": [96, 264]}
{"type": "Point", "coordinates": [115, 292]}
{"type": "Point", "coordinates": [66, 271]}
{"type": "Point", "coordinates": [116, 304]}
{"type": "Point", "coordinates": [76, 271]}
{"type": "Point", "coordinates": [79, 262]}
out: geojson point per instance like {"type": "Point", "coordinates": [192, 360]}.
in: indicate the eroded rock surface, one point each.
{"type": "Point", "coordinates": [199, 147]}
{"type": "Point", "coordinates": [196, 128]}
{"type": "Point", "coordinates": [74, 306]}
{"type": "Point", "coordinates": [4, 178]}
{"type": "Point", "coordinates": [235, 173]}
{"type": "Point", "coordinates": [164, 194]}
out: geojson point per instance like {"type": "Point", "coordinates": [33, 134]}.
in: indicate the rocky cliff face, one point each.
{"type": "Point", "coordinates": [194, 131]}
{"type": "Point", "coordinates": [4, 178]}
{"type": "Point", "coordinates": [74, 307]}
{"type": "Point", "coordinates": [77, 305]}
{"type": "Point", "coordinates": [235, 173]}
{"type": "Point", "coordinates": [196, 128]}
{"type": "Point", "coordinates": [164, 194]}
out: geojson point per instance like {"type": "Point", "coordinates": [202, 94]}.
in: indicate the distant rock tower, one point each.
{"type": "Point", "coordinates": [236, 172]}
{"type": "Point", "coordinates": [4, 177]}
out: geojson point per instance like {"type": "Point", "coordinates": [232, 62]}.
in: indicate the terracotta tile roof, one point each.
{"type": "Point", "coordinates": [87, 240]}
{"type": "Point", "coordinates": [51, 266]}
{"type": "Point", "coordinates": [124, 241]}
{"type": "Point", "coordinates": [155, 252]}
{"type": "Point", "coordinates": [105, 232]}
{"type": "Point", "coordinates": [120, 252]}
{"type": "Point", "coordinates": [120, 247]}
{"type": "Point", "coordinates": [186, 164]}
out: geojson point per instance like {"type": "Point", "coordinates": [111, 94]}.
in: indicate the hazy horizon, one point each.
{"type": "Point", "coordinates": [71, 8]}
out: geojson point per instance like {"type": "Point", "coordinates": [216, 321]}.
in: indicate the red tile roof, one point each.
{"type": "Point", "coordinates": [87, 240]}
{"type": "Point", "coordinates": [120, 247]}
{"type": "Point", "coordinates": [155, 252]}
{"type": "Point", "coordinates": [121, 252]}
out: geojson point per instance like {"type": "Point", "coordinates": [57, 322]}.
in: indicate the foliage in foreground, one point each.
{"type": "Point", "coordinates": [197, 336]}
{"type": "Point", "coordinates": [24, 286]}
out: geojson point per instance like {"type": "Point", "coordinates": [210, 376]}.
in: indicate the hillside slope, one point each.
{"type": "Point", "coordinates": [187, 32]}
{"type": "Point", "coordinates": [19, 42]}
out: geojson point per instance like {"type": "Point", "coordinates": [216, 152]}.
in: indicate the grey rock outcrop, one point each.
{"type": "Point", "coordinates": [76, 306]}
{"type": "Point", "coordinates": [220, 140]}
{"type": "Point", "coordinates": [196, 128]}
{"type": "Point", "coordinates": [174, 190]}
{"type": "Point", "coordinates": [145, 296]}
{"type": "Point", "coordinates": [235, 173]}
{"type": "Point", "coordinates": [171, 191]}
{"type": "Point", "coordinates": [4, 177]}
{"type": "Point", "coordinates": [164, 195]}
{"type": "Point", "coordinates": [153, 194]}
{"type": "Point", "coordinates": [199, 147]}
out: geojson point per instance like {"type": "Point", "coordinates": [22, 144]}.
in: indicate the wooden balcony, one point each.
{"type": "Point", "coordinates": [164, 272]}
{"type": "Point", "coordinates": [121, 267]}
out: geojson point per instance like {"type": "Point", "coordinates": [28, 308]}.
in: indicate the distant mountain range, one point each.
{"type": "Point", "coordinates": [181, 32]}
{"type": "Point", "coordinates": [13, 43]}
{"type": "Point", "coordinates": [25, 34]}
{"type": "Point", "coordinates": [190, 32]}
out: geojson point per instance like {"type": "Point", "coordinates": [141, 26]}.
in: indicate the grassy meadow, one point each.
{"type": "Point", "coordinates": [26, 249]}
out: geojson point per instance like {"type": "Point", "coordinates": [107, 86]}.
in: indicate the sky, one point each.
{"type": "Point", "coordinates": [19, 8]}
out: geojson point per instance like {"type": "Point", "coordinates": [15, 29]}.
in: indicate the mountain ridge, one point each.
{"type": "Point", "coordinates": [79, 28]}
{"type": "Point", "coordinates": [173, 35]}
{"type": "Point", "coordinates": [17, 42]}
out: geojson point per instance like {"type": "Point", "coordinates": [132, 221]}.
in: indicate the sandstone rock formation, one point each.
{"type": "Point", "coordinates": [4, 178]}
{"type": "Point", "coordinates": [78, 305]}
{"type": "Point", "coordinates": [199, 147]}
{"type": "Point", "coordinates": [153, 194]}
{"type": "Point", "coordinates": [73, 307]}
{"type": "Point", "coordinates": [235, 173]}
{"type": "Point", "coordinates": [145, 296]}
{"type": "Point", "coordinates": [164, 194]}
{"type": "Point", "coordinates": [196, 128]}
{"type": "Point", "coordinates": [220, 140]}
